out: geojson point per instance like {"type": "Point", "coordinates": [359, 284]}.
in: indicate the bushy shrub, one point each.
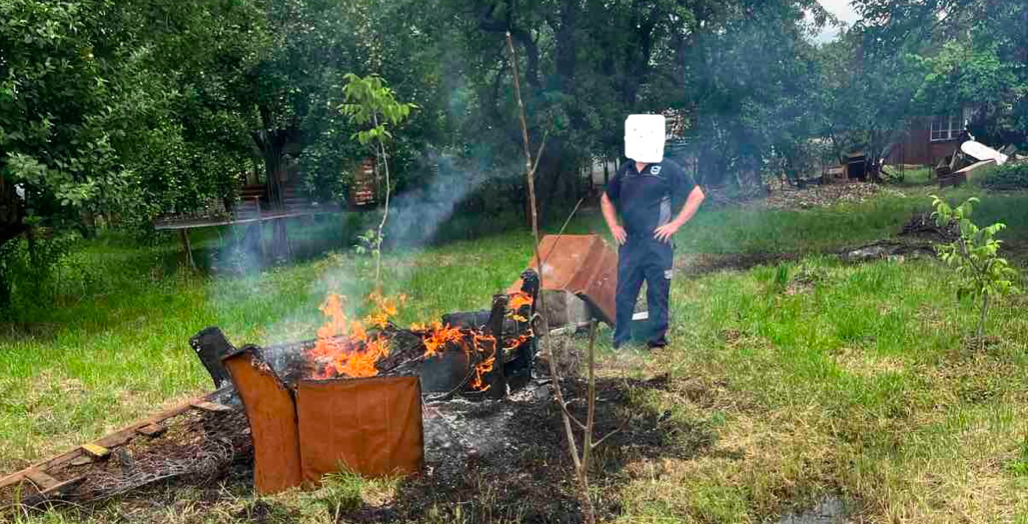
{"type": "Point", "coordinates": [28, 265]}
{"type": "Point", "coordinates": [1008, 176]}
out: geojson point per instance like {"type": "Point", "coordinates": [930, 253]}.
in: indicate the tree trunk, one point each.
{"type": "Point", "coordinates": [12, 211]}
{"type": "Point", "coordinates": [981, 320]}
{"type": "Point", "coordinates": [273, 173]}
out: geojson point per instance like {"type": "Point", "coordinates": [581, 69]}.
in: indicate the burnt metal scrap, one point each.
{"type": "Point", "coordinates": [271, 412]}
{"type": "Point", "coordinates": [210, 345]}
{"type": "Point", "coordinates": [305, 425]}
{"type": "Point", "coordinates": [957, 168]}
{"type": "Point", "coordinates": [583, 265]}
{"type": "Point", "coordinates": [302, 431]}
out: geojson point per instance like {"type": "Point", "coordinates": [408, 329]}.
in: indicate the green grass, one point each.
{"type": "Point", "coordinates": [913, 177]}
{"type": "Point", "coordinates": [860, 381]}
{"type": "Point", "coordinates": [825, 377]}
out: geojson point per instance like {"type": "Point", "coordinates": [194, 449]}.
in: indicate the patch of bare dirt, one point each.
{"type": "Point", "coordinates": [703, 263]}
{"type": "Point", "coordinates": [823, 195]}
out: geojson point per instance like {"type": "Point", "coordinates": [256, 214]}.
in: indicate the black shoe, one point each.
{"type": "Point", "coordinates": [656, 344]}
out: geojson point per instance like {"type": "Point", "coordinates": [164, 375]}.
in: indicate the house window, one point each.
{"type": "Point", "coordinates": [946, 127]}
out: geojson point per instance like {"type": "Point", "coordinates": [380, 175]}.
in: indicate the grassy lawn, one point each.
{"type": "Point", "coordinates": [814, 377]}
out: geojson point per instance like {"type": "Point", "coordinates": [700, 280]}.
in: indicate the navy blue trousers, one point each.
{"type": "Point", "coordinates": [643, 259]}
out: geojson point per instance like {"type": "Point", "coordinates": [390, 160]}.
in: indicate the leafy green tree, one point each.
{"type": "Point", "coordinates": [969, 52]}
{"type": "Point", "coordinates": [55, 93]}
{"type": "Point", "coordinates": [975, 255]}
{"type": "Point", "coordinates": [738, 70]}
{"type": "Point", "coordinates": [105, 111]}
{"type": "Point", "coordinates": [865, 98]}
{"type": "Point", "coordinates": [372, 105]}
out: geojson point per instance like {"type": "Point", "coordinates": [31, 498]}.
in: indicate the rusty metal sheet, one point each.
{"type": "Point", "coordinates": [581, 264]}
{"type": "Point", "coordinates": [371, 426]}
{"type": "Point", "coordinates": [272, 414]}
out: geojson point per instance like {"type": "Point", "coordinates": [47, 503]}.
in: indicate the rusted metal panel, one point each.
{"type": "Point", "coordinates": [272, 414]}
{"type": "Point", "coordinates": [581, 264]}
{"type": "Point", "coordinates": [371, 426]}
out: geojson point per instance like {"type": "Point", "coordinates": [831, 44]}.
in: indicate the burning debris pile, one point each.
{"type": "Point", "coordinates": [380, 398]}
{"type": "Point", "coordinates": [355, 391]}
{"type": "Point", "coordinates": [354, 394]}
{"type": "Point", "coordinates": [461, 353]}
{"type": "Point", "coordinates": [374, 346]}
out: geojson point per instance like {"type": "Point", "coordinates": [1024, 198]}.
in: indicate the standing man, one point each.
{"type": "Point", "coordinates": [655, 197]}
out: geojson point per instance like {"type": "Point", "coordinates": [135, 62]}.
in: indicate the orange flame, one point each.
{"type": "Point", "coordinates": [354, 348]}
{"type": "Point", "coordinates": [345, 347]}
{"type": "Point", "coordinates": [438, 336]}
{"type": "Point", "coordinates": [519, 300]}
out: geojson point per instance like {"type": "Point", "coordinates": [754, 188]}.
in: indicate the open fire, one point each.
{"type": "Point", "coordinates": [361, 347]}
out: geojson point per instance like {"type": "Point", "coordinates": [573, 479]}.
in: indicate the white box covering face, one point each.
{"type": "Point", "coordinates": [644, 138]}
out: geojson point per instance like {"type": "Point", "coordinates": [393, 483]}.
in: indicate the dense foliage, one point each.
{"type": "Point", "coordinates": [966, 52]}
{"type": "Point", "coordinates": [113, 112]}
{"type": "Point", "coordinates": [1012, 175]}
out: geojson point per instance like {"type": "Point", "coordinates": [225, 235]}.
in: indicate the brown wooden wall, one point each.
{"type": "Point", "coordinates": [918, 147]}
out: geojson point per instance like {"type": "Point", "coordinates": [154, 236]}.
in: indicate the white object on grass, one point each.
{"type": "Point", "coordinates": [981, 151]}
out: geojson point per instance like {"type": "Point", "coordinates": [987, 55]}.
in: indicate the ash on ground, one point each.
{"type": "Point", "coordinates": [507, 460]}
{"type": "Point", "coordinates": [458, 429]}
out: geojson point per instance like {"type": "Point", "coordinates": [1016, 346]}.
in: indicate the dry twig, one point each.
{"type": "Point", "coordinates": [581, 462]}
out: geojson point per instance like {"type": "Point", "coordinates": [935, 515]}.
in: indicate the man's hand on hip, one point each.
{"type": "Point", "coordinates": [619, 234]}
{"type": "Point", "coordinates": [665, 232]}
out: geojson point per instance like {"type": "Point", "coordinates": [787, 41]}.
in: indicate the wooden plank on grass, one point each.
{"type": "Point", "coordinates": [42, 481]}
{"type": "Point", "coordinates": [151, 430]}
{"type": "Point", "coordinates": [211, 406]}
{"type": "Point", "coordinates": [121, 436]}
{"type": "Point", "coordinates": [81, 461]}
{"type": "Point", "coordinates": [61, 487]}
{"type": "Point", "coordinates": [116, 439]}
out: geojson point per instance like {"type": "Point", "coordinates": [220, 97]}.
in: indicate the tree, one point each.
{"type": "Point", "coordinates": [864, 99]}
{"type": "Point", "coordinates": [370, 102]}
{"type": "Point", "coordinates": [100, 112]}
{"type": "Point", "coordinates": [728, 66]}
{"type": "Point", "coordinates": [975, 255]}
{"type": "Point", "coordinates": [55, 153]}
{"type": "Point", "coordinates": [968, 52]}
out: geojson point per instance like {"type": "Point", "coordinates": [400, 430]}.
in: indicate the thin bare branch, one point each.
{"type": "Point", "coordinates": [612, 432]}
{"type": "Point", "coordinates": [562, 228]}
{"type": "Point", "coordinates": [568, 413]}
{"type": "Point", "coordinates": [587, 445]}
{"type": "Point", "coordinates": [568, 430]}
{"type": "Point", "coordinates": [539, 154]}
